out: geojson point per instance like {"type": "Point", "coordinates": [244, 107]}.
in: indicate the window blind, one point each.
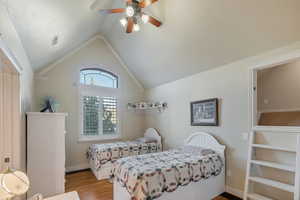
{"type": "Point", "coordinates": [99, 115]}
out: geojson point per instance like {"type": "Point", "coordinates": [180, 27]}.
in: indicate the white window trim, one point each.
{"type": "Point", "coordinates": [91, 90]}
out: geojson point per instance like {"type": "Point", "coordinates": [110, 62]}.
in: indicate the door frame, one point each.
{"type": "Point", "coordinates": [11, 57]}
{"type": "Point", "coordinates": [280, 60]}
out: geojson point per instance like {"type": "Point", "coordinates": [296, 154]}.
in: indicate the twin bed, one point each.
{"type": "Point", "coordinates": [194, 171]}
{"type": "Point", "coordinates": [103, 156]}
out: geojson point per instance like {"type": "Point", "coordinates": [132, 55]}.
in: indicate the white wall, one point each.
{"type": "Point", "coordinates": [203, 34]}
{"type": "Point", "coordinates": [278, 88]}
{"type": "Point", "coordinates": [229, 83]}
{"type": "Point", "coordinates": [10, 38]}
{"type": "Point", "coordinates": [61, 83]}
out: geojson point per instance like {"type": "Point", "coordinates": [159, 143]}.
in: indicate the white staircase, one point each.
{"type": "Point", "coordinates": [250, 178]}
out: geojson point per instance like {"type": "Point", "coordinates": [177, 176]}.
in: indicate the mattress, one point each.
{"type": "Point", "coordinates": [101, 154]}
{"type": "Point", "coordinates": [149, 176]}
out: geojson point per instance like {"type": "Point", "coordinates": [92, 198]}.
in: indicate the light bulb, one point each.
{"type": "Point", "coordinates": [145, 18]}
{"type": "Point", "coordinates": [147, 2]}
{"type": "Point", "coordinates": [136, 27]}
{"type": "Point", "coordinates": [123, 21]}
{"type": "Point", "coordinates": [129, 11]}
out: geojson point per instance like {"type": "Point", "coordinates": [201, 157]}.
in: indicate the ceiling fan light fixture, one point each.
{"type": "Point", "coordinates": [145, 18]}
{"type": "Point", "coordinates": [147, 2]}
{"type": "Point", "coordinates": [133, 14]}
{"type": "Point", "coordinates": [123, 22]}
{"type": "Point", "coordinates": [136, 27]}
{"type": "Point", "coordinates": [130, 11]}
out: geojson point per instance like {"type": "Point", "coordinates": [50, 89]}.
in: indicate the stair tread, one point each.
{"type": "Point", "coordinates": [274, 165]}
{"type": "Point", "coordinates": [273, 147]}
{"type": "Point", "coordinates": [255, 196]}
{"type": "Point", "coordinates": [272, 183]}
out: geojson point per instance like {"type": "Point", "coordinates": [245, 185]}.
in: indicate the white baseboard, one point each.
{"type": "Point", "coordinates": [234, 191]}
{"type": "Point", "coordinates": [77, 167]}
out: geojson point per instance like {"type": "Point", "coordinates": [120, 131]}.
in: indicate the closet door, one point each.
{"type": "Point", "coordinates": [9, 116]}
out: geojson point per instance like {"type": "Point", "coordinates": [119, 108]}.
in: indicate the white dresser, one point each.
{"type": "Point", "coordinates": [66, 196]}
{"type": "Point", "coordinates": [46, 153]}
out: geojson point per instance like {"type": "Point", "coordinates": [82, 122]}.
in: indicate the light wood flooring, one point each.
{"type": "Point", "coordinates": [89, 188]}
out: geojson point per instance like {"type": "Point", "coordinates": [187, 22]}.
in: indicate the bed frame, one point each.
{"type": "Point", "coordinates": [204, 189]}
{"type": "Point", "coordinates": [104, 172]}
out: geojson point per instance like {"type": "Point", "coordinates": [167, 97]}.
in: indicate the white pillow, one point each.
{"type": "Point", "coordinates": [195, 149]}
{"type": "Point", "coordinates": [146, 140]}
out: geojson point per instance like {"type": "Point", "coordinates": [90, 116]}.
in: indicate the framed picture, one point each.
{"type": "Point", "coordinates": [205, 113]}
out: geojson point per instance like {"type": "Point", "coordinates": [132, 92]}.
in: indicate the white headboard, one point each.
{"type": "Point", "coordinates": [152, 133]}
{"type": "Point", "coordinates": [205, 140]}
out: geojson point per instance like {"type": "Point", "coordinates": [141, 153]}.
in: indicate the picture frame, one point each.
{"type": "Point", "coordinates": [205, 112]}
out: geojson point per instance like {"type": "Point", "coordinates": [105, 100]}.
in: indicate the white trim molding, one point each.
{"type": "Point", "coordinates": [45, 70]}
{"type": "Point", "coordinates": [277, 57]}
{"type": "Point", "coordinates": [42, 73]}
{"type": "Point", "coordinates": [121, 62]}
{"type": "Point", "coordinates": [11, 57]}
{"type": "Point", "coordinates": [279, 129]}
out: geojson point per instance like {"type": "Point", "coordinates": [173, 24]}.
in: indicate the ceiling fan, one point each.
{"type": "Point", "coordinates": [134, 14]}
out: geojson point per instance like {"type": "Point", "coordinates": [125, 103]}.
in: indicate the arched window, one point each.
{"type": "Point", "coordinates": [98, 77]}
{"type": "Point", "coordinates": [99, 114]}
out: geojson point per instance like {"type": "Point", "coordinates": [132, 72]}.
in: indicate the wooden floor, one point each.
{"type": "Point", "coordinates": [291, 118]}
{"type": "Point", "coordinates": [89, 188]}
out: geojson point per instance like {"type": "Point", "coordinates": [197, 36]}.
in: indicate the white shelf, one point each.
{"type": "Point", "coordinates": [278, 129]}
{"type": "Point", "coordinates": [274, 165]}
{"type": "Point", "coordinates": [254, 196]}
{"type": "Point", "coordinates": [272, 183]}
{"type": "Point", "coordinates": [46, 114]}
{"type": "Point", "coordinates": [278, 184]}
{"type": "Point", "coordinates": [263, 146]}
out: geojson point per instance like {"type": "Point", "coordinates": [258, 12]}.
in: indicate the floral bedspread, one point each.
{"type": "Point", "coordinates": [148, 176]}
{"type": "Point", "coordinates": [101, 154]}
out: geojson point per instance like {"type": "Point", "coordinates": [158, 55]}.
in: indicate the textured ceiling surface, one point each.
{"type": "Point", "coordinates": [41, 22]}
{"type": "Point", "coordinates": [195, 36]}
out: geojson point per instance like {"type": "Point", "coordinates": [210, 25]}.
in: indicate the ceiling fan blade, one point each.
{"type": "Point", "coordinates": [111, 11]}
{"type": "Point", "coordinates": [154, 21]}
{"type": "Point", "coordinates": [145, 3]}
{"type": "Point", "coordinates": [128, 2]}
{"type": "Point", "coordinates": [129, 25]}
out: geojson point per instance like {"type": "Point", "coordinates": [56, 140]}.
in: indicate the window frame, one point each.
{"type": "Point", "coordinates": [103, 71]}
{"type": "Point", "coordinates": [100, 91]}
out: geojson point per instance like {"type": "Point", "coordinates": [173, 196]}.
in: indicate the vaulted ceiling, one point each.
{"type": "Point", "coordinates": [196, 35]}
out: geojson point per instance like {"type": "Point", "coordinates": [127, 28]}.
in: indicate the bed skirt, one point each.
{"type": "Point", "coordinates": [205, 189]}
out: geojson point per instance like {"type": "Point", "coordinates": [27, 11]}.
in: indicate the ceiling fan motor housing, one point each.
{"type": "Point", "coordinates": [135, 5]}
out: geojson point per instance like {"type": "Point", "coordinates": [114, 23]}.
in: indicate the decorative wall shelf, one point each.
{"type": "Point", "coordinates": [159, 106]}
